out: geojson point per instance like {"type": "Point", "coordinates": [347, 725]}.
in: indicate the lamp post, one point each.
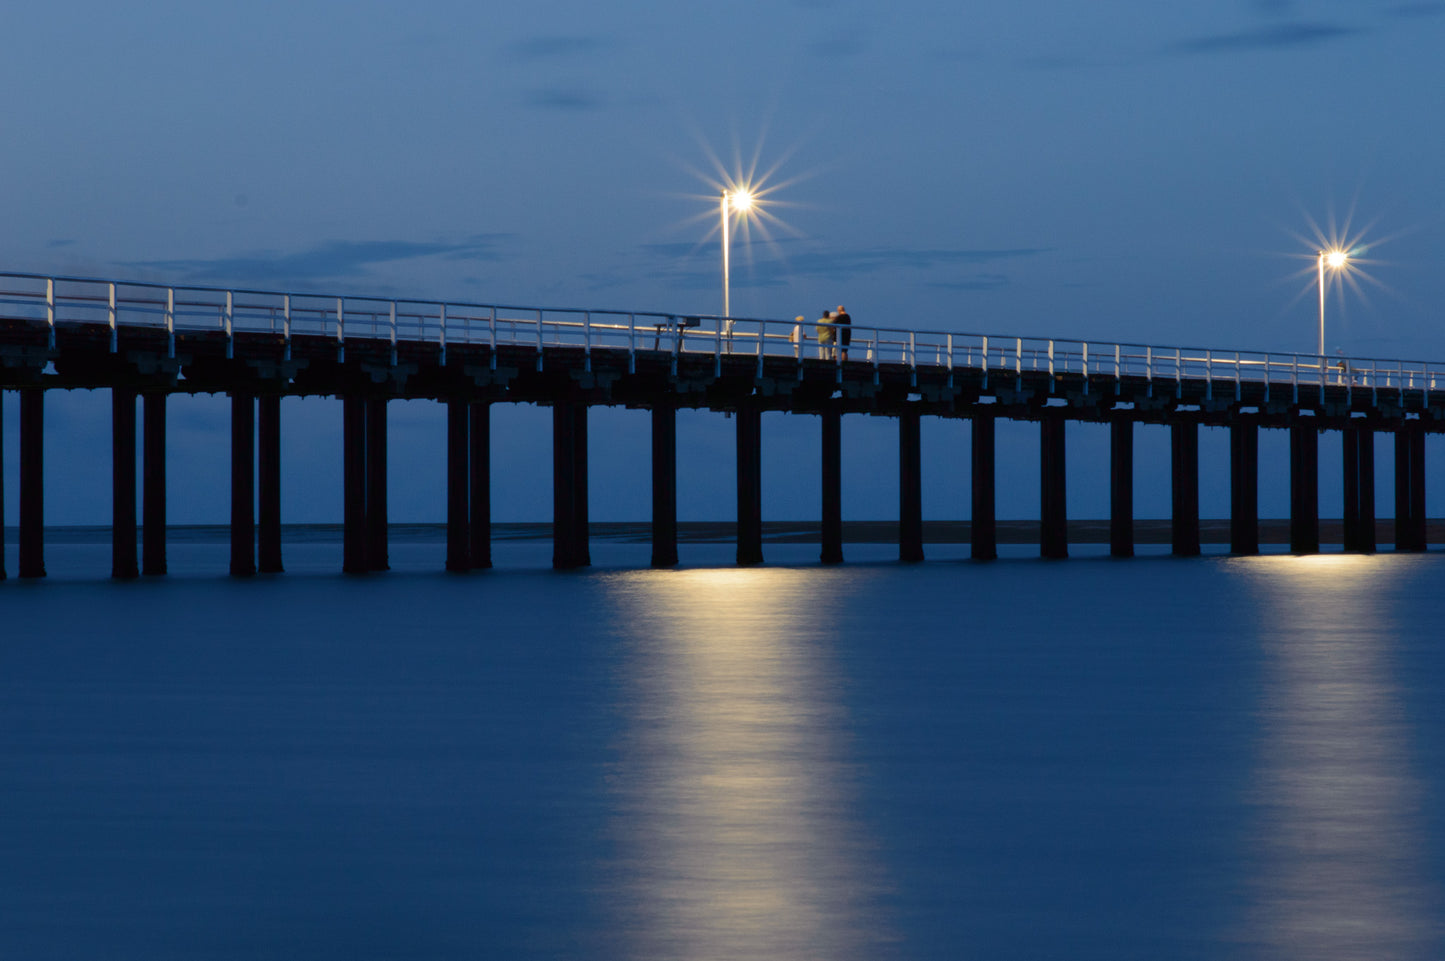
{"type": "Point", "coordinates": [740, 201]}
{"type": "Point", "coordinates": [1334, 259]}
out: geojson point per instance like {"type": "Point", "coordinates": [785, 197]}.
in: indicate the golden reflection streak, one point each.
{"type": "Point", "coordinates": [735, 829]}
{"type": "Point", "coordinates": [1339, 873]}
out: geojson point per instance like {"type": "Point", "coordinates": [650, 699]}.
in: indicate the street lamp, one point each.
{"type": "Point", "coordinates": [1335, 259]}
{"type": "Point", "coordinates": [739, 201]}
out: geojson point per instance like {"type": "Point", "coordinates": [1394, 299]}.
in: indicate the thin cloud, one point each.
{"type": "Point", "coordinates": [820, 263]}
{"type": "Point", "coordinates": [326, 261]}
{"type": "Point", "coordinates": [564, 98]}
{"type": "Point", "coordinates": [843, 45]}
{"type": "Point", "coordinates": [1416, 11]}
{"type": "Point", "coordinates": [559, 47]}
{"type": "Point", "coordinates": [1279, 36]}
{"type": "Point", "coordinates": [754, 272]}
{"type": "Point", "coordinates": [977, 282]}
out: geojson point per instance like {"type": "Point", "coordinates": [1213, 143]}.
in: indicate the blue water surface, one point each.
{"type": "Point", "coordinates": [1211, 758]}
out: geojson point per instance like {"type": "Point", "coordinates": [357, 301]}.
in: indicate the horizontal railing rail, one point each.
{"type": "Point", "coordinates": [55, 302]}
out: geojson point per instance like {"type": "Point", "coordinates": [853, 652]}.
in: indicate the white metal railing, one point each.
{"type": "Point", "coordinates": [52, 302]}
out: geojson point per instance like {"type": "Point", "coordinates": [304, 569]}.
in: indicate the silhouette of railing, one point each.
{"type": "Point", "coordinates": [56, 302]}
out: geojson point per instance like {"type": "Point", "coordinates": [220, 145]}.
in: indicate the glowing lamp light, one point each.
{"type": "Point", "coordinates": [733, 202]}
{"type": "Point", "coordinates": [1335, 259]}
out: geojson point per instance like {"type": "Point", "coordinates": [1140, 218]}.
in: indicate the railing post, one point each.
{"type": "Point", "coordinates": [50, 308]}
{"type": "Point", "coordinates": [492, 335]}
{"type": "Point", "coordinates": [587, 341]}
{"type": "Point", "coordinates": [114, 334]}
{"type": "Point", "coordinates": [340, 331]}
{"type": "Point", "coordinates": [676, 342]}
{"type": "Point", "coordinates": [632, 343]}
{"type": "Point", "coordinates": [171, 323]}
{"type": "Point", "coordinates": [393, 333]}
{"type": "Point", "coordinates": [442, 334]}
{"type": "Point", "coordinates": [230, 333]}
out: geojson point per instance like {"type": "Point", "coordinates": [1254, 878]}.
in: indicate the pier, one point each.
{"type": "Point", "coordinates": [145, 342]}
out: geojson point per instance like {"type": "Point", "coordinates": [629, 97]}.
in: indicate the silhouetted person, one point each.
{"type": "Point", "coordinates": [826, 335]}
{"type": "Point", "coordinates": [845, 333]}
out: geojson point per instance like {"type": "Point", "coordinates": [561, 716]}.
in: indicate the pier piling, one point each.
{"type": "Point", "coordinates": [832, 485]}
{"type": "Point", "coordinates": [153, 484]}
{"type": "Point", "coordinates": [664, 483]}
{"type": "Point", "coordinates": [1358, 442]}
{"type": "Point", "coordinates": [1121, 485]}
{"type": "Point", "coordinates": [32, 482]}
{"type": "Point", "coordinates": [458, 484]}
{"type": "Point", "coordinates": [910, 488]}
{"type": "Point", "coordinates": [268, 470]}
{"type": "Point", "coordinates": [1053, 507]}
{"type": "Point", "coordinates": [376, 512]}
{"type": "Point", "coordinates": [983, 527]}
{"type": "Point", "coordinates": [750, 484]}
{"type": "Point", "coordinates": [1410, 487]}
{"type": "Point", "coordinates": [1184, 484]}
{"type": "Point", "coordinates": [243, 483]}
{"type": "Point", "coordinates": [569, 485]}
{"type": "Point", "coordinates": [1304, 489]}
{"type": "Point", "coordinates": [1244, 486]}
{"type": "Point", "coordinates": [123, 564]}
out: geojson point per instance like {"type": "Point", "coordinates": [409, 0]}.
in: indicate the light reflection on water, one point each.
{"type": "Point", "coordinates": [735, 833]}
{"type": "Point", "coordinates": [1339, 871]}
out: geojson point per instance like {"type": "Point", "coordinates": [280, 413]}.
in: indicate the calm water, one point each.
{"type": "Point", "coordinates": [1203, 759]}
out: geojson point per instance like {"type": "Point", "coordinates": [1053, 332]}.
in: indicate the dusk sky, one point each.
{"type": "Point", "coordinates": [1135, 171]}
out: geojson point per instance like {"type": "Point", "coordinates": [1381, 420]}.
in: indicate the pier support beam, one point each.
{"type": "Point", "coordinates": [268, 471]}
{"type": "Point", "coordinates": [832, 488]}
{"type": "Point", "coordinates": [1184, 483]}
{"type": "Point", "coordinates": [32, 482]}
{"type": "Point", "coordinates": [910, 488]}
{"type": "Point", "coordinates": [458, 481]}
{"type": "Point", "coordinates": [479, 507]}
{"type": "Point", "coordinates": [122, 463]}
{"type": "Point", "coordinates": [1410, 487]}
{"type": "Point", "coordinates": [1244, 486]}
{"type": "Point", "coordinates": [750, 484]}
{"type": "Point", "coordinates": [1121, 485]}
{"type": "Point", "coordinates": [1053, 506]}
{"type": "Point", "coordinates": [569, 485]}
{"type": "Point", "coordinates": [983, 527]}
{"type": "Point", "coordinates": [1304, 489]}
{"type": "Point", "coordinates": [353, 485]}
{"type": "Point", "coordinates": [376, 512]}
{"type": "Point", "coordinates": [2, 485]}
{"type": "Point", "coordinates": [1359, 488]}
{"type": "Point", "coordinates": [664, 483]}
{"type": "Point", "coordinates": [153, 484]}
{"type": "Point", "coordinates": [243, 484]}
